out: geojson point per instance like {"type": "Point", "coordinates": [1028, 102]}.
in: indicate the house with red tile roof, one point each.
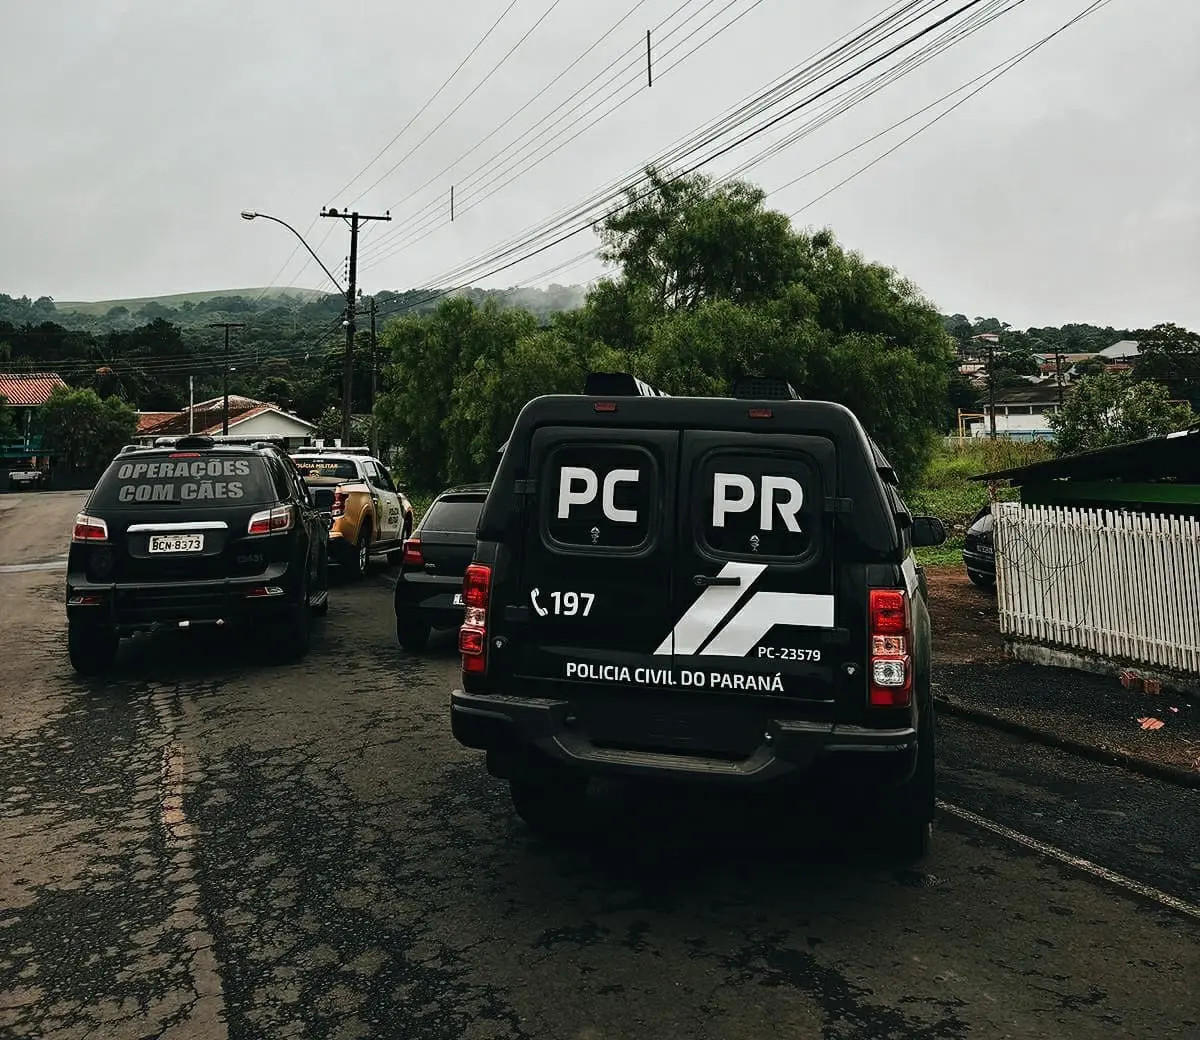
{"type": "Point", "coordinates": [246, 417]}
{"type": "Point", "coordinates": [25, 392]}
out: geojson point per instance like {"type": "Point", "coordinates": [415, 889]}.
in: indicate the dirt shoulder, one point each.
{"type": "Point", "coordinates": [972, 672]}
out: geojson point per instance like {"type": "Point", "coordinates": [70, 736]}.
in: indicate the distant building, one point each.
{"type": "Point", "coordinates": [25, 393]}
{"type": "Point", "coordinates": [246, 417]}
{"type": "Point", "coordinates": [1126, 350]}
{"type": "Point", "coordinates": [1021, 414]}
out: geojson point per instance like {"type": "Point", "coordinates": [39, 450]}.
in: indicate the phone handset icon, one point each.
{"type": "Point", "coordinates": [533, 596]}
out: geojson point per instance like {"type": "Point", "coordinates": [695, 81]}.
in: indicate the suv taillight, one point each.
{"type": "Point", "coordinates": [89, 529]}
{"type": "Point", "coordinates": [272, 521]}
{"type": "Point", "coordinates": [339, 503]}
{"type": "Point", "coordinates": [472, 636]}
{"type": "Point", "coordinates": [891, 643]}
{"type": "Point", "coordinates": [412, 553]}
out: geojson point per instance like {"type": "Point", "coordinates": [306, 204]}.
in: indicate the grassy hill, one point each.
{"type": "Point", "coordinates": [97, 308]}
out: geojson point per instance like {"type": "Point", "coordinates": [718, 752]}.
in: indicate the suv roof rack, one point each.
{"type": "Point", "coordinates": [618, 384]}
{"type": "Point", "coordinates": [211, 440]}
{"type": "Point", "coordinates": [764, 388]}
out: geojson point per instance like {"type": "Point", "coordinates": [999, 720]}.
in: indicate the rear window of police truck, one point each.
{"type": "Point", "coordinates": [210, 480]}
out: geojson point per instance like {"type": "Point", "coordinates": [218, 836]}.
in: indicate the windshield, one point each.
{"type": "Point", "coordinates": [326, 469]}
{"type": "Point", "coordinates": [211, 480]}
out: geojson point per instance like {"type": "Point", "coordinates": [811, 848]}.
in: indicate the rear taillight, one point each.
{"type": "Point", "coordinates": [272, 521]}
{"type": "Point", "coordinates": [472, 636]}
{"type": "Point", "coordinates": [89, 529]}
{"type": "Point", "coordinates": [891, 643]}
{"type": "Point", "coordinates": [339, 503]}
{"type": "Point", "coordinates": [412, 553]}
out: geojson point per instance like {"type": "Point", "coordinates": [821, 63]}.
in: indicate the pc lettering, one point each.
{"type": "Point", "coordinates": [579, 486]}
{"type": "Point", "coordinates": [776, 500]}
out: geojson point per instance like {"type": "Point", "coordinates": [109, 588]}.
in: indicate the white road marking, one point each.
{"type": "Point", "coordinates": [207, 1014]}
{"type": "Point", "coordinates": [19, 568]}
{"type": "Point", "coordinates": [1071, 860]}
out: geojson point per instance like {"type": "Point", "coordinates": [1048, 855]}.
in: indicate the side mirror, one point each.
{"type": "Point", "coordinates": [927, 531]}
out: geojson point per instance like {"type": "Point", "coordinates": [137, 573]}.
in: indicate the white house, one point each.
{"type": "Point", "coordinates": [247, 417]}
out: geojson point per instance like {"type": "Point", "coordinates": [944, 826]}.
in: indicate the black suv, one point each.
{"type": "Point", "coordinates": [716, 589]}
{"type": "Point", "coordinates": [430, 584]}
{"type": "Point", "coordinates": [195, 531]}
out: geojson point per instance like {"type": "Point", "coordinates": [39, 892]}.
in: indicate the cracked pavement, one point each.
{"type": "Point", "coordinates": [207, 846]}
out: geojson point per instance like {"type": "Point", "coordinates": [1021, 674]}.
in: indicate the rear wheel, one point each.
{"type": "Point", "coordinates": [411, 633]}
{"type": "Point", "coordinates": [910, 809]}
{"type": "Point", "coordinates": [362, 552]}
{"type": "Point", "coordinates": [92, 648]}
{"type": "Point", "coordinates": [550, 799]}
{"type": "Point", "coordinates": [291, 633]}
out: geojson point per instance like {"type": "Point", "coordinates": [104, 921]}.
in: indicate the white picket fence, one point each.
{"type": "Point", "coordinates": [1120, 585]}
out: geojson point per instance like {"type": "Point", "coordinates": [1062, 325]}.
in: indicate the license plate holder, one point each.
{"type": "Point", "coordinates": [175, 544]}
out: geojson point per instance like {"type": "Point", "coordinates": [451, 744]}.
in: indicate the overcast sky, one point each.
{"type": "Point", "coordinates": [135, 131]}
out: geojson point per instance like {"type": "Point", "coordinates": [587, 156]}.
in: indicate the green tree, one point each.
{"type": "Point", "coordinates": [713, 285]}
{"type": "Point", "coordinates": [1170, 355]}
{"type": "Point", "coordinates": [1108, 409]}
{"type": "Point", "coordinates": [8, 422]}
{"type": "Point", "coordinates": [419, 410]}
{"type": "Point", "coordinates": [687, 241]}
{"type": "Point", "coordinates": [83, 430]}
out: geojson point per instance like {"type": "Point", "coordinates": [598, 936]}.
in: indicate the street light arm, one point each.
{"type": "Point", "coordinates": [250, 215]}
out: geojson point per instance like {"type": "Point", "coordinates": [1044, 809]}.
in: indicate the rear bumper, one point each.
{"type": "Point", "coordinates": [430, 599]}
{"type": "Point", "coordinates": [134, 607]}
{"type": "Point", "coordinates": [981, 563]}
{"type": "Point", "coordinates": [504, 725]}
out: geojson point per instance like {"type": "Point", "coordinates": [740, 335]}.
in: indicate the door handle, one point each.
{"type": "Point", "coordinates": [715, 579]}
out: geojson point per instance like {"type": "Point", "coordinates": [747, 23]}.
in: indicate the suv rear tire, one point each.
{"type": "Point", "coordinates": [92, 648]}
{"type": "Point", "coordinates": [291, 633]}
{"type": "Point", "coordinates": [911, 807]}
{"type": "Point", "coordinates": [551, 800]}
{"type": "Point", "coordinates": [411, 634]}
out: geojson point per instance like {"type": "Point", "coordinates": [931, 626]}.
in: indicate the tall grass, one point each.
{"type": "Point", "coordinates": [947, 491]}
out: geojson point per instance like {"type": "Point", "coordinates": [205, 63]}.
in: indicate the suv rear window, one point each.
{"type": "Point", "coordinates": [757, 504]}
{"type": "Point", "coordinates": [453, 514]}
{"type": "Point", "coordinates": [600, 496]}
{"type": "Point", "coordinates": [162, 480]}
{"type": "Point", "coordinates": [332, 469]}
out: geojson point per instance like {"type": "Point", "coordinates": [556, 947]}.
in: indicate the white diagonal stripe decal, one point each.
{"type": "Point", "coordinates": [764, 611]}
{"type": "Point", "coordinates": [710, 609]}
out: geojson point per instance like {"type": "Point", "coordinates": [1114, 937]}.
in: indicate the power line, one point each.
{"type": "Point", "coordinates": [545, 127]}
{"type": "Point", "coordinates": [862, 38]}
{"type": "Point", "coordinates": [495, 68]}
{"type": "Point", "coordinates": [1003, 68]}
{"type": "Point", "coordinates": [436, 94]}
{"type": "Point", "coordinates": [399, 134]}
{"type": "Point", "coordinates": [863, 41]}
{"type": "Point", "coordinates": [482, 141]}
{"type": "Point", "coordinates": [502, 259]}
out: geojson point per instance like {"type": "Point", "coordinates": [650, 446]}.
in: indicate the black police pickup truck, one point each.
{"type": "Point", "coordinates": [716, 589]}
{"type": "Point", "coordinates": [195, 531]}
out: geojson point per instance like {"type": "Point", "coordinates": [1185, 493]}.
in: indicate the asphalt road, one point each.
{"type": "Point", "coordinates": [207, 846]}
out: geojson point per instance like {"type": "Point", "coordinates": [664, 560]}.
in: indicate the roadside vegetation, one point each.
{"type": "Point", "coordinates": [946, 490]}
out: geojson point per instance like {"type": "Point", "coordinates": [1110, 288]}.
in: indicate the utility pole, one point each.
{"type": "Point", "coordinates": [1058, 374]}
{"type": "Point", "coordinates": [191, 404]}
{"type": "Point", "coordinates": [992, 386]}
{"type": "Point", "coordinates": [226, 325]}
{"type": "Point", "coordinates": [374, 383]}
{"type": "Point", "coordinates": [354, 220]}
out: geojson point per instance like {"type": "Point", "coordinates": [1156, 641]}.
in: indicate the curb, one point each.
{"type": "Point", "coordinates": [1145, 767]}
